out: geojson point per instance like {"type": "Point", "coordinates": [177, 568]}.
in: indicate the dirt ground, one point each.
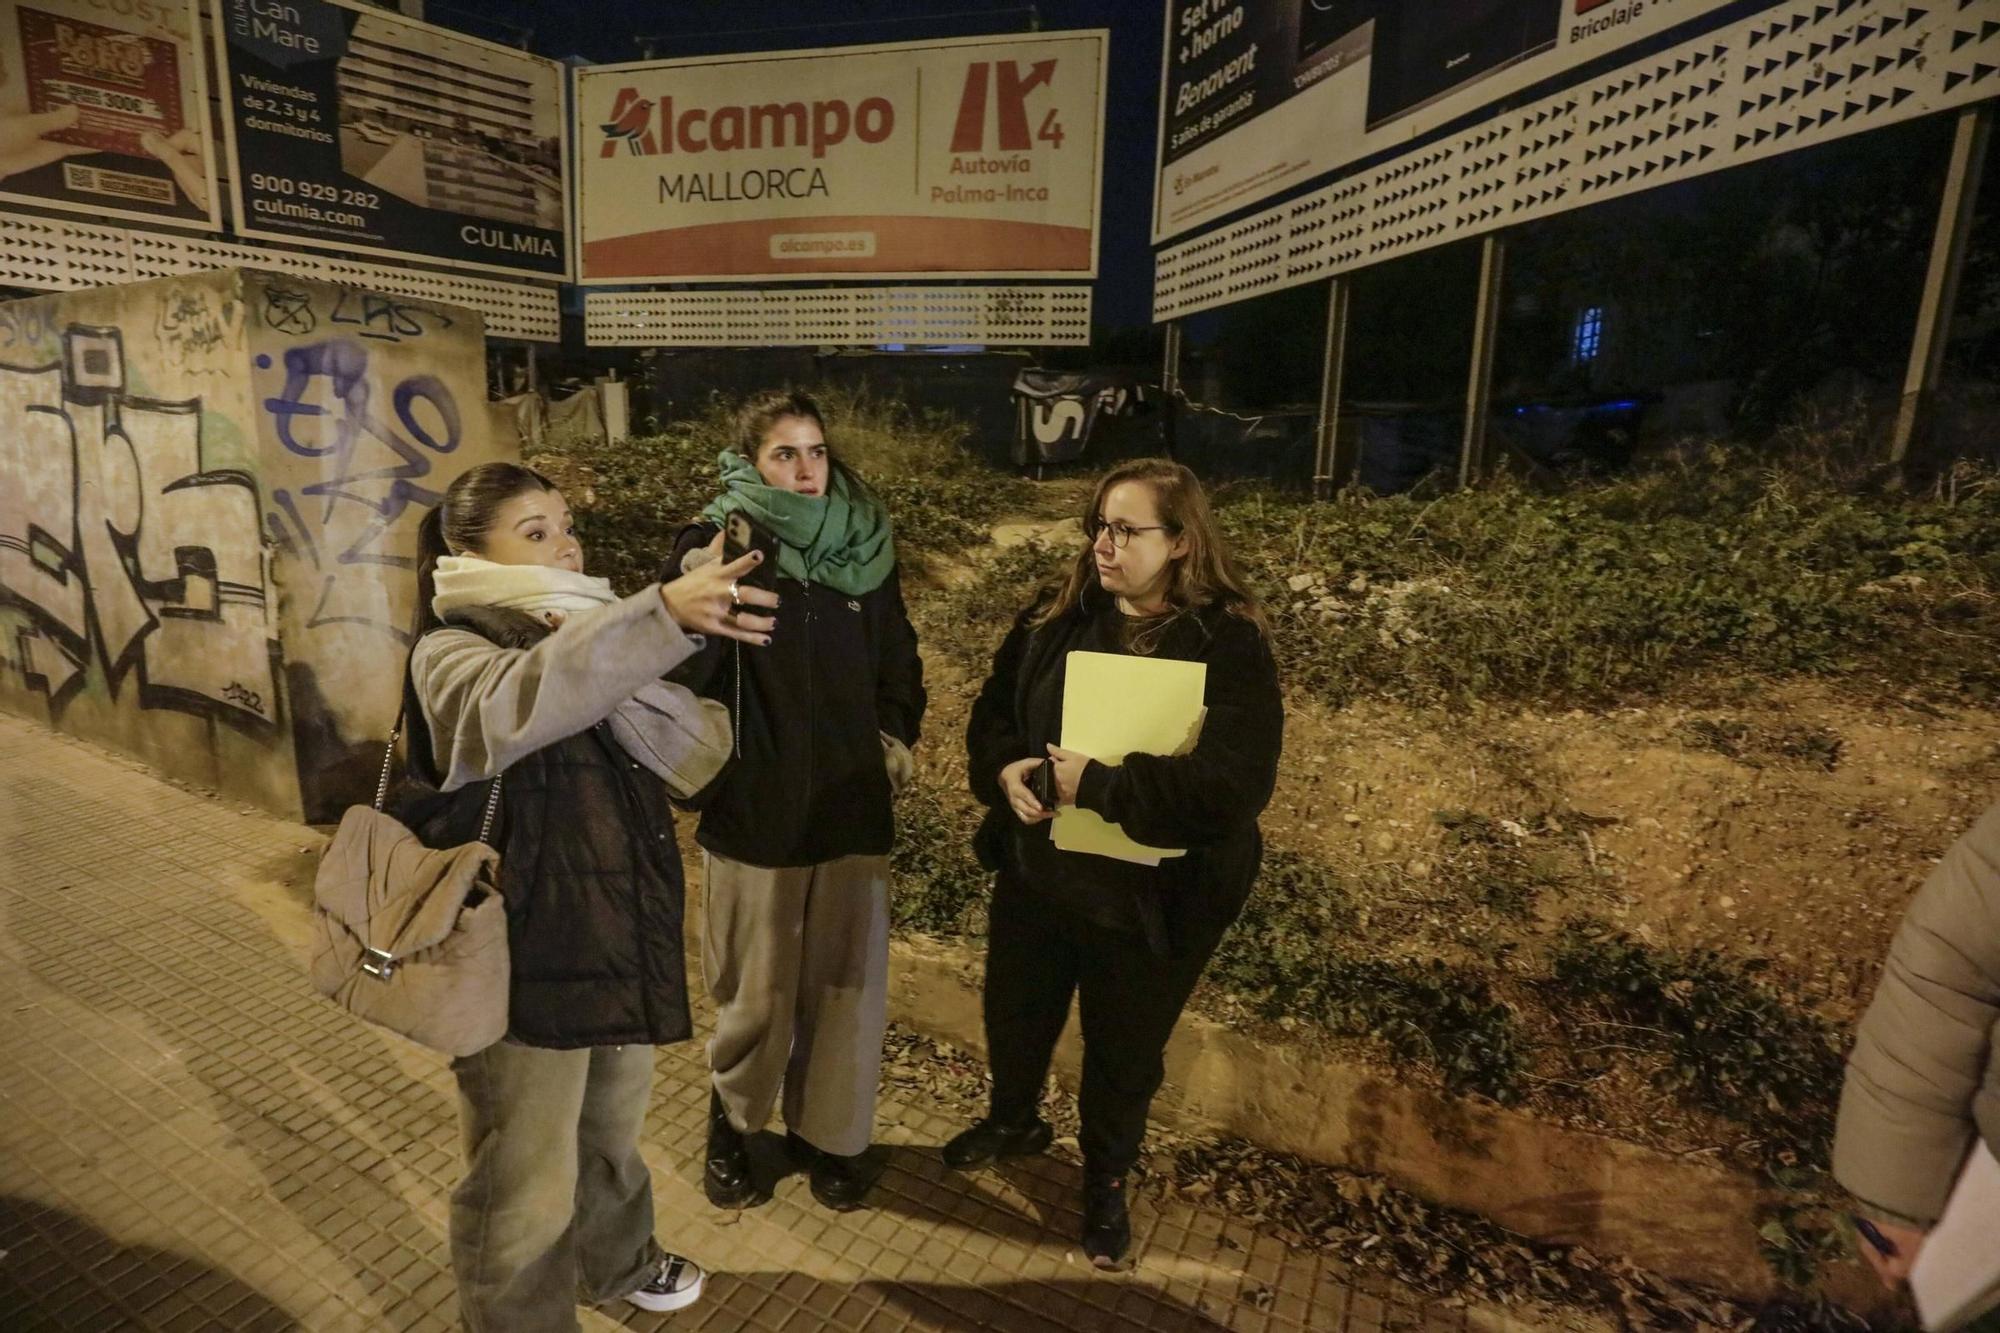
{"type": "Point", "coordinates": [1767, 855]}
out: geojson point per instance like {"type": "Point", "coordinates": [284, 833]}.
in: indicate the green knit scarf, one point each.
{"type": "Point", "coordinates": [839, 540]}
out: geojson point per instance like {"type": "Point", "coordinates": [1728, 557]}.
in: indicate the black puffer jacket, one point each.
{"type": "Point", "coordinates": [588, 867]}
{"type": "Point", "coordinates": [809, 784]}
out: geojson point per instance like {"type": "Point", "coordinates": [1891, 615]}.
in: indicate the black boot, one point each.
{"type": "Point", "coordinates": [1107, 1227]}
{"type": "Point", "coordinates": [840, 1183]}
{"type": "Point", "coordinates": [725, 1177]}
{"type": "Point", "coordinates": [991, 1139]}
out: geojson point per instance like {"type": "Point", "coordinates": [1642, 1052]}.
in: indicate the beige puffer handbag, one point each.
{"type": "Point", "coordinates": [411, 938]}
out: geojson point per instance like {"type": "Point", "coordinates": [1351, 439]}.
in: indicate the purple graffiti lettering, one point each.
{"type": "Point", "coordinates": [428, 389]}
{"type": "Point", "coordinates": [345, 365]}
{"type": "Point", "coordinates": [374, 469]}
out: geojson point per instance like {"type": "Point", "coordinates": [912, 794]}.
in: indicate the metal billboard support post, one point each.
{"type": "Point", "coordinates": [1170, 388]}
{"type": "Point", "coordinates": [1479, 384]}
{"type": "Point", "coordinates": [1947, 262]}
{"type": "Point", "coordinates": [1331, 468]}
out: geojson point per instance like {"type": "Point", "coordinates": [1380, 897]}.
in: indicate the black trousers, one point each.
{"type": "Point", "coordinates": [1037, 957]}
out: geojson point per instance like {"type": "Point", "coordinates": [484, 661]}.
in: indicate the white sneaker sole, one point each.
{"type": "Point", "coordinates": [678, 1300]}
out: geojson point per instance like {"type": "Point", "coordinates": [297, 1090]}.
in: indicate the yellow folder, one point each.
{"type": "Point", "coordinates": [1115, 705]}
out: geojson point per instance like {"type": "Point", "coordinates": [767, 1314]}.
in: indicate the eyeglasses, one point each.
{"type": "Point", "coordinates": [1121, 533]}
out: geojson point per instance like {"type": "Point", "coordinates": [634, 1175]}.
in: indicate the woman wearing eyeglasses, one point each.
{"type": "Point", "coordinates": [1128, 940]}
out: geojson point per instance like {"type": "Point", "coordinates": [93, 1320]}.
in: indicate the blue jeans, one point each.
{"type": "Point", "coordinates": [556, 1206]}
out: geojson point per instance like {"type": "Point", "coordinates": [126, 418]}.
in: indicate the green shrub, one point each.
{"type": "Point", "coordinates": [1621, 589]}
{"type": "Point", "coordinates": [1733, 1045]}
{"type": "Point", "coordinates": [937, 886]}
{"type": "Point", "coordinates": [1288, 956]}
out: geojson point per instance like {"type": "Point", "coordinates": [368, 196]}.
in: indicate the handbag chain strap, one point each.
{"type": "Point", "coordinates": [388, 762]}
{"type": "Point", "coordinates": [492, 807]}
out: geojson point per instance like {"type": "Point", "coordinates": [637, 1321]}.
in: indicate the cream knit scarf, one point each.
{"type": "Point", "coordinates": [466, 580]}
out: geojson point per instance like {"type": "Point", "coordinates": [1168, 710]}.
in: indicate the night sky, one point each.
{"type": "Point", "coordinates": [607, 31]}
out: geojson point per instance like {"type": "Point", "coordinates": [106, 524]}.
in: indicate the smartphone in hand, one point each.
{"type": "Point", "coordinates": [1042, 782]}
{"type": "Point", "coordinates": [741, 535]}
{"type": "Point", "coordinates": [1873, 1235]}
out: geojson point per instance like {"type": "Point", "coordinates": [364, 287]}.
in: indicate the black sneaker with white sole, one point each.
{"type": "Point", "coordinates": [1107, 1224]}
{"type": "Point", "coordinates": [674, 1285]}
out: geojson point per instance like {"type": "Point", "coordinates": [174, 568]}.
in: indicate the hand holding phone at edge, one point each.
{"type": "Point", "coordinates": [1891, 1268]}
{"type": "Point", "coordinates": [1014, 781]}
{"type": "Point", "coordinates": [1069, 766]}
{"type": "Point", "coordinates": [706, 601]}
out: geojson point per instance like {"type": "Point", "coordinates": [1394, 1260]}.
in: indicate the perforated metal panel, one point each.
{"type": "Point", "coordinates": [46, 253]}
{"type": "Point", "coordinates": [1800, 73]}
{"type": "Point", "coordinates": [789, 317]}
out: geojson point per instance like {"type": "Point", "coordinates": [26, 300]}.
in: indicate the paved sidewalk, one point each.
{"type": "Point", "coordinates": [190, 1139]}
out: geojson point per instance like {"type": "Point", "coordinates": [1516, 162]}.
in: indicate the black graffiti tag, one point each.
{"type": "Point", "coordinates": [385, 318]}
{"type": "Point", "coordinates": [289, 311]}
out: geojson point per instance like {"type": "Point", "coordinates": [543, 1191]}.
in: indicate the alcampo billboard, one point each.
{"type": "Point", "coordinates": [957, 158]}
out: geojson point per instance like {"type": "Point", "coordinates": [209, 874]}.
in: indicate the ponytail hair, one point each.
{"type": "Point", "coordinates": [458, 524]}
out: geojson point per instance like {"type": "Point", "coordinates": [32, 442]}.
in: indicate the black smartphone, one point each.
{"type": "Point", "coordinates": [1873, 1235]}
{"type": "Point", "coordinates": [741, 535]}
{"type": "Point", "coordinates": [1042, 782]}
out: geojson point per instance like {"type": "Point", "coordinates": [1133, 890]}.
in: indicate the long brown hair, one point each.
{"type": "Point", "coordinates": [1205, 576]}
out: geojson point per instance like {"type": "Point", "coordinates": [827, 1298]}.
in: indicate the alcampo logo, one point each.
{"type": "Point", "coordinates": [634, 123]}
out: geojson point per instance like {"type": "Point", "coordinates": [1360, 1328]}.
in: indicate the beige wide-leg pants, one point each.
{"type": "Point", "coordinates": [797, 961]}
{"type": "Point", "coordinates": [556, 1205]}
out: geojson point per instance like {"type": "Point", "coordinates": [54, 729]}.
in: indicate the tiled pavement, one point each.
{"type": "Point", "coordinates": [190, 1139]}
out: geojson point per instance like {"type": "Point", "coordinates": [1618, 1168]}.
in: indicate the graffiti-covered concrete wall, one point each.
{"type": "Point", "coordinates": [209, 493]}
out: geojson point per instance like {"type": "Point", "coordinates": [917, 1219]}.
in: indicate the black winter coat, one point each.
{"type": "Point", "coordinates": [589, 871]}
{"type": "Point", "coordinates": [1206, 801]}
{"type": "Point", "coordinates": [809, 784]}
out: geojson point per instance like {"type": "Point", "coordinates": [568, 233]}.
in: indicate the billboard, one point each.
{"type": "Point", "coordinates": [104, 110]}
{"type": "Point", "coordinates": [356, 129]}
{"type": "Point", "coordinates": [977, 157]}
{"type": "Point", "coordinates": [1258, 96]}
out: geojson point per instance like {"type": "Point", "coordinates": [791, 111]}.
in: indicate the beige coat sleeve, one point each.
{"type": "Point", "coordinates": [1925, 1047]}
{"type": "Point", "coordinates": [488, 706]}
{"type": "Point", "coordinates": [683, 738]}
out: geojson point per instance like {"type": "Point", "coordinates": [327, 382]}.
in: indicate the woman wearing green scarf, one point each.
{"type": "Point", "coordinates": [796, 834]}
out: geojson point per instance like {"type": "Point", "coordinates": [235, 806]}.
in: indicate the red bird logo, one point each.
{"type": "Point", "coordinates": [629, 117]}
